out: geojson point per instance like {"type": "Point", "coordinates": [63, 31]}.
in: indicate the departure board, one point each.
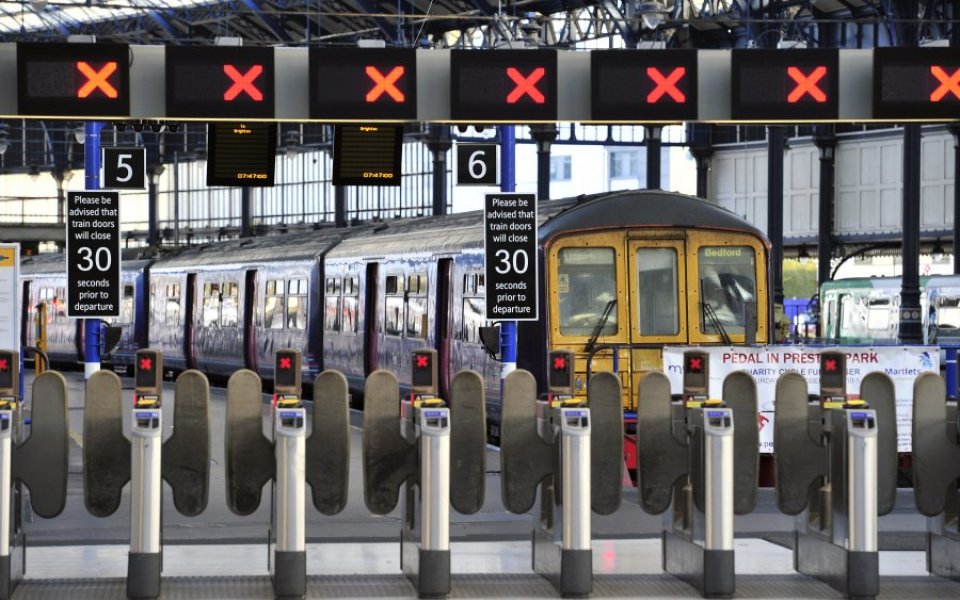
{"type": "Point", "coordinates": [90, 80]}
{"type": "Point", "coordinates": [785, 85]}
{"type": "Point", "coordinates": [916, 83]}
{"type": "Point", "coordinates": [219, 82]}
{"type": "Point", "coordinates": [367, 154]}
{"type": "Point", "coordinates": [241, 154]}
{"type": "Point", "coordinates": [363, 83]}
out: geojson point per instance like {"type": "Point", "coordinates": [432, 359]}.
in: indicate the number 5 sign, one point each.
{"type": "Point", "coordinates": [477, 164]}
{"type": "Point", "coordinates": [123, 168]}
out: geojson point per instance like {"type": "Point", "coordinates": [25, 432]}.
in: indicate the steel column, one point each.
{"type": "Point", "coordinates": [911, 330]}
{"type": "Point", "coordinates": [508, 183]}
{"type": "Point", "coordinates": [340, 205]}
{"type": "Point", "coordinates": [91, 169]}
{"type": "Point", "coordinates": [775, 148]}
{"type": "Point", "coordinates": [439, 144]}
{"type": "Point", "coordinates": [826, 142]}
{"type": "Point", "coordinates": [544, 136]}
{"type": "Point", "coordinates": [652, 135]}
{"type": "Point", "coordinates": [955, 130]}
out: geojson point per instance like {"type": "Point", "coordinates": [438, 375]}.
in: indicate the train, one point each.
{"type": "Point", "coordinates": [620, 275]}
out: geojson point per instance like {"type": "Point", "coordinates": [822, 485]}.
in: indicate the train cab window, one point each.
{"type": "Point", "coordinates": [230, 304]}
{"type": "Point", "coordinates": [878, 314]}
{"type": "Point", "coordinates": [658, 312]}
{"type": "Point", "coordinates": [728, 282]}
{"type": "Point", "coordinates": [416, 309]}
{"type": "Point", "coordinates": [331, 314]}
{"type": "Point", "coordinates": [126, 306]}
{"type": "Point", "coordinates": [172, 308]}
{"type": "Point", "coordinates": [211, 305]}
{"type": "Point", "coordinates": [393, 305]}
{"type": "Point", "coordinates": [297, 304]}
{"type": "Point", "coordinates": [474, 307]}
{"type": "Point", "coordinates": [351, 304]}
{"type": "Point", "coordinates": [946, 317]}
{"type": "Point", "coordinates": [587, 284]}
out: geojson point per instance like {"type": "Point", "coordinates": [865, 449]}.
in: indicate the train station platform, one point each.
{"type": "Point", "coordinates": [357, 555]}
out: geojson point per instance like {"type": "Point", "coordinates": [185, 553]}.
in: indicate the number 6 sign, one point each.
{"type": "Point", "coordinates": [477, 164]}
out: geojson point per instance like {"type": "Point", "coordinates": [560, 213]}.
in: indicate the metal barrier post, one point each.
{"type": "Point", "coordinates": [289, 507]}
{"type": "Point", "coordinates": [575, 484]}
{"type": "Point", "coordinates": [7, 404]}
{"type": "Point", "coordinates": [718, 480]}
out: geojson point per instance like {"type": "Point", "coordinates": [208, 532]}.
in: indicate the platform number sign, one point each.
{"type": "Point", "coordinates": [124, 168]}
{"type": "Point", "coordinates": [510, 254]}
{"type": "Point", "coordinates": [93, 254]}
{"type": "Point", "coordinates": [477, 164]}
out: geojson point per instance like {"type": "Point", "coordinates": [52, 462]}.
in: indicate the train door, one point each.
{"type": "Point", "coordinates": [27, 325]}
{"type": "Point", "coordinates": [189, 351]}
{"type": "Point", "coordinates": [371, 329]}
{"type": "Point", "coordinates": [443, 317]}
{"type": "Point", "coordinates": [656, 269]}
{"type": "Point", "coordinates": [249, 329]}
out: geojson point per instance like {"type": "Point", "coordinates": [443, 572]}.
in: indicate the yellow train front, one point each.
{"type": "Point", "coordinates": [625, 274]}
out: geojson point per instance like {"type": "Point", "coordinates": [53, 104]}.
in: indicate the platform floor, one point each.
{"type": "Point", "coordinates": [356, 554]}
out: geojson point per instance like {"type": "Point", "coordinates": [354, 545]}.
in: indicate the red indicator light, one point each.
{"type": "Point", "coordinates": [97, 80]}
{"type": "Point", "coordinates": [559, 363]}
{"type": "Point", "coordinates": [385, 84]}
{"type": "Point", "coordinates": [807, 84]}
{"type": "Point", "coordinates": [4, 365]}
{"type": "Point", "coordinates": [666, 85]}
{"type": "Point", "coordinates": [526, 86]}
{"type": "Point", "coordinates": [285, 363]}
{"type": "Point", "coordinates": [695, 364]}
{"type": "Point", "coordinates": [146, 363]}
{"type": "Point", "coordinates": [243, 82]}
{"type": "Point", "coordinates": [830, 365]}
{"type": "Point", "coordinates": [423, 361]}
{"type": "Point", "coordinates": [949, 84]}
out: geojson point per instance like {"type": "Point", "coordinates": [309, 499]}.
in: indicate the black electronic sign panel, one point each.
{"type": "Point", "coordinates": [93, 254]}
{"type": "Point", "coordinates": [478, 164]}
{"type": "Point", "coordinates": [785, 85]}
{"type": "Point", "coordinates": [89, 80]}
{"type": "Point", "coordinates": [241, 154]}
{"type": "Point", "coordinates": [123, 168]}
{"type": "Point", "coordinates": [510, 256]}
{"type": "Point", "coordinates": [643, 85]}
{"type": "Point", "coordinates": [220, 82]}
{"type": "Point", "coordinates": [363, 83]}
{"type": "Point", "coordinates": [367, 154]}
{"type": "Point", "coordinates": [503, 85]}
{"type": "Point", "coordinates": [424, 374]}
{"type": "Point", "coordinates": [916, 83]}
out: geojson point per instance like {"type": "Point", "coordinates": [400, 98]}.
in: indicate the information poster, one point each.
{"type": "Point", "coordinates": [10, 297]}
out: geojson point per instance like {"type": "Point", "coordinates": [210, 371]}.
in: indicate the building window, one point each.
{"type": "Point", "coordinates": [560, 168]}
{"type": "Point", "coordinates": [626, 164]}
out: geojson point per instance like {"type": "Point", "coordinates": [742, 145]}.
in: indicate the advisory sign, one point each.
{"type": "Point", "coordinates": [93, 254]}
{"type": "Point", "coordinates": [510, 252]}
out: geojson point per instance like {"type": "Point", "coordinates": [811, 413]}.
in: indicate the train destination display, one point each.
{"type": "Point", "coordinates": [367, 154]}
{"type": "Point", "coordinates": [241, 154]}
{"type": "Point", "coordinates": [93, 254]}
{"type": "Point", "coordinates": [506, 85]}
{"type": "Point", "coordinates": [73, 79]}
{"type": "Point", "coordinates": [785, 84]}
{"type": "Point", "coordinates": [225, 82]}
{"type": "Point", "coordinates": [363, 83]}
{"type": "Point", "coordinates": [510, 253]}
{"type": "Point", "coordinates": [643, 85]}
{"type": "Point", "coordinates": [916, 83]}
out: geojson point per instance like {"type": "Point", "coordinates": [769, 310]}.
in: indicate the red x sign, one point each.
{"type": "Point", "coordinates": [526, 86]}
{"type": "Point", "coordinates": [829, 365]}
{"type": "Point", "coordinates": [4, 365]}
{"type": "Point", "coordinates": [423, 361]}
{"type": "Point", "coordinates": [666, 85]}
{"type": "Point", "coordinates": [949, 84]}
{"type": "Point", "coordinates": [97, 80]}
{"type": "Point", "coordinates": [385, 84]}
{"type": "Point", "coordinates": [285, 362]}
{"type": "Point", "coordinates": [807, 84]}
{"type": "Point", "coordinates": [559, 363]}
{"type": "Point", "coordinates": [243, 82]}
{"type": "Point", "coordinates": [146, 364]}
{"type": "Point", "coordinates": [695, 364]}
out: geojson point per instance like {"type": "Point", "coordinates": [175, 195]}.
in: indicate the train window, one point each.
{"type": "Point", "coordinates": [331, 315]}
{"type": "Point", "coordinates": [469, 284]}
{"type": "Point", "coordinates": [878, 314]}
{"type": "Point", "coordinates": [230, 305]}
{"type": "Point", "coordinates": [172, 309]}
{"type": "Point", "coordinates": [394, 284]}
{"type": "Point", "coordinates": [727, 283]}
{"type": "Point", "coordinates": [271, 287]}
{"type": "Point", "coordinates": [393, 319]}
{"type": "Point", "coordinates": [587, 284]}
{"type": "Point", "coordinates": [126, 306]}
{"type": "Point", "coordinates": [416, 317]}
{"type": "Point", "coordinates": [211, 305]}
{"type": "Point", "coordinates": [658, 311]}
{"type": "Point", "coordinates": [473, 318]}
{"type": "Point", "coordinates": [297, 304]}
{"type": "Point", "coordinates": [481, 285]}
{"type": "Point", "coordinates": [351, 303]}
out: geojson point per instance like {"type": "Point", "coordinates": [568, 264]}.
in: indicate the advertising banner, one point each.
{"type": "Point", "coordinates": [902, 363]}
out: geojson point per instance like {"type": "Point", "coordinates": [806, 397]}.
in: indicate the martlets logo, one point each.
{"type": "Point", "coordinates": [926, 361]}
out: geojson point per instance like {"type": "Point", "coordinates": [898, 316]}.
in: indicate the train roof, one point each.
{"type": "Point", "coordinates": [300, 246]}
{"type": "Point", "coordinates": [644, 208]}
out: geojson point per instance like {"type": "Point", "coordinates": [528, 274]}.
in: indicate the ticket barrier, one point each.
{"type": "Point", "coordinates": [836, 469]}
{"type": "Point", "coordinates": [409, 443]}
{"type": "Point", "coordinates": [110, 460]}
{"type": "Point", "coordinates": [567, 457]}
{"type": "Point", "coordinates": [291, 459]}
{"type": "Point", "coordinates": [38, 461]}
{"type": "Point", "coordinates": [936, 467]}
{"type": "Point", "coordinates": [698, 465]}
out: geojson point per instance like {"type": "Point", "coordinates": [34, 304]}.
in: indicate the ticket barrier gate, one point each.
{"type": "Point", "coordinates": [698, 465]}
{"type": "Point", "coordinates": [936, 467]}
{"type": "Point", "coordinates": [291, 459]}
{"type": "Point", "coordinates": [567, 457]}
{"type": "Point", "coordinates": [110, 460]}
{"type": "Point", "coordinates": [38, 461]}
{"type": "Point", "coordinates": [407, 443]}
{"type": "Point", "coordinates": [838, 497]}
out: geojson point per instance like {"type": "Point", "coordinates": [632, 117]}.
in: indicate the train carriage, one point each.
{"type": "Point", "coordinates": [44, 281]}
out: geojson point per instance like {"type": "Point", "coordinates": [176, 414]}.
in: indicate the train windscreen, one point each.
{"type": "Point", "coordinates": [587, 284]}
{"type": "Point", "coordinates": [728, 281]}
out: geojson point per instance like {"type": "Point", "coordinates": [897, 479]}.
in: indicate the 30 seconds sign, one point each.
{"type": "Point", "coordinates": [93, 254]}
{"type": "Point", "coordinates": [510, 252]}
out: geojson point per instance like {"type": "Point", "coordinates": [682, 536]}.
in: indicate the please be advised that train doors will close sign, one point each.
{"type": "Point", "coordinates": [510, 253]}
